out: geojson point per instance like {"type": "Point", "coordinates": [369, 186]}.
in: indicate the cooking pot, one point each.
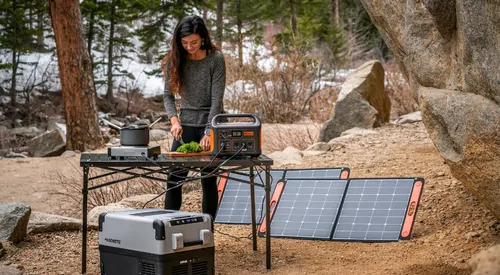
{"type": "Point", "coordinates": [135, 135]}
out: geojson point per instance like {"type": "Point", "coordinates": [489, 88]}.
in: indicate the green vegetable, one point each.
{"type": "Point", "coordinates": [192, 147]}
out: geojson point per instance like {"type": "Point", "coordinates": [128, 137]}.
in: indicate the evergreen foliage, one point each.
{"type": "Point", "coordinates": [21, 32]}
{"type": "Point", "coordinates": [142, 28]}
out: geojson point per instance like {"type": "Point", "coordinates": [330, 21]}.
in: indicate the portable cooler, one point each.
{"type": "Point", "coordinates": [156, 242]}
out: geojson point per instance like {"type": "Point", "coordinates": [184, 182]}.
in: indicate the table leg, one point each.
{"type": "Point", "coordinates": [252, 203]}
{"type": "Point", "coordinates": [84, 226]}
{"type": "Point", "coordinates": [268, 220]}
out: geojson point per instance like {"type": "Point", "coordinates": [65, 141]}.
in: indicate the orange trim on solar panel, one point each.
{"type": "Point", "coordinates": [276, 195]}
{"type": "Point", "coordinates": [344, 175]}
{"type": "Point", "coordinates": [221, 186]}
{"type": "Point", "coordinates": [412, 208]}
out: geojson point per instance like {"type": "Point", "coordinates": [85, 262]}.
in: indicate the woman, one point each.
{"type": "Point", "coordinates": [195, 71]}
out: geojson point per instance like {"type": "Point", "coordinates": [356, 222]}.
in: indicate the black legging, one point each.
{"type": "Point", "coordinates": [173, 198]}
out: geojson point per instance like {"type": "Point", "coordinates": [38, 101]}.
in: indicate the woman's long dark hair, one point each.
{"type": "Point", "coordinates": [177, 56]}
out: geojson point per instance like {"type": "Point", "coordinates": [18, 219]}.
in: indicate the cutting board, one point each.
{"type": "Point", "coordinates": [180, 154]}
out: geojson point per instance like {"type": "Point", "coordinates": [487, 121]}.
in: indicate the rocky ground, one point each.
{"type": "Point", "coordinates": [451, 226]}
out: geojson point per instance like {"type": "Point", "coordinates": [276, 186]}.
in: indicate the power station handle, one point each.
{"type": "Point", "coordinates": [192, 243]}
{"type": "Point", "coordinates": [256, 119]}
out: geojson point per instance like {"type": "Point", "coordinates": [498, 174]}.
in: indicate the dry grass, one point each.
{"type": "Point", "coordinates": [68, 188]}
{"type": "Point", "coordinates": [285, 94]}
{"type": "Point", "coordinates": [130, 102]}
{"type": "Point", "coordinates": [278, 136]}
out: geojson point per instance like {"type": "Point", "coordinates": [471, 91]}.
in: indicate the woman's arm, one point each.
{"type": "Point", "coordinates": [169, 103]}
{"type": "Point", "coordinates": [169, 98]}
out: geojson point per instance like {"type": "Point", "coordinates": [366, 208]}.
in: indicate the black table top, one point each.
{"type": "Point", "coordinates": [103, 160]}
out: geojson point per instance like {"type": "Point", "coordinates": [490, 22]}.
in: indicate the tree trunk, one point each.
{"type": "Point", "coordinates": [13, 86]}
{"type": "Point", "coordinates": [109, 93]}
{"type": "Point", "coordinates": [205, 15]}
{"type": "Point", "coordinates": [294, 17]}
{"type": "Point", "coordinates": [13, 83]}
{"type": "Point", "coordinates": [90, 32]}
{"type": "Point", "coordinates": [75, 72]}
{"type": "Point", "coordinates": [40, 38]}
{"type": "Point", "coordinates": [335, 12]}
{"type": "Point", "coordinates": [240, 36]}
{"type": "Point", "coordinates": [219, 25]}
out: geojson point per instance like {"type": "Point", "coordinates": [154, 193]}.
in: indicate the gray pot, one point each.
{"type": "Point", "coordinates": [134, 135]}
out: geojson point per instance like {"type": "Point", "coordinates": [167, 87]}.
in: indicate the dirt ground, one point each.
{"type": "Point", "coordinates": [450, 226]}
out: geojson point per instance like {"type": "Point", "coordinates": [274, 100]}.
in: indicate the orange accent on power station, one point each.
{"type": "Point", "coordinates": [221, 186]}
{"type": "Point", "coordinates": [412, 208]}
{"type": "Point", "coordinates": [248, 134]}
{"type": "Point", "coordinates": [274, 200]}
{"type": "Point", "coordinates": [212, 140]}
{"type": "Point", "coordinates": [344, 175]}
{"type": "Point", "coordinates": [260, 139]}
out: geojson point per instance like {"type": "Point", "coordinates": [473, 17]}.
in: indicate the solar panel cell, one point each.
{"type": "Point", "coordinates": [307, 208]}
{"type": "Point", "coordinates": [373, 209]}
{"type": "Point", "coordinates": [370, 209]}
{"type": "Point", "coordinates": [235, 205]}
{"type": "Point", "coordinates": [319, 173]}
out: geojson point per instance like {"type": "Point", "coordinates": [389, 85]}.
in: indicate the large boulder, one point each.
{"type": "Point", "coordinates": [486, 262]}
{"type": "Point", "coordinates": [43, 222]}
{"type": "Point", "coordinates": [448, 51]}
{"type": "Point", "coordinates": [129, 203]}
{"type": "Point", "coordinates": [49, 144]}
{"type": "Point", "coordinates": [469, 139]}
{"type": "Point", "coordinates": [14, 217]}
{"type": "Point", "coordinates": [289, 155]}
{"type": "Point", "coordinates": [93, 215]}
{"type": "Point", "coordinates": [409, 118]}
{"type": "Point", "coordinates": [9, 270]}
{"type": "Point", "coordinates": [362, 102]}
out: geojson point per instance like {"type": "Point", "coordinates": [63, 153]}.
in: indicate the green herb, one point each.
{"type": "Point", "coordinates": [192, 147]}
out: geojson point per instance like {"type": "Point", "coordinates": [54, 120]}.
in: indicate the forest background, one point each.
{"type": "Point", "coordinates": [286, 59]}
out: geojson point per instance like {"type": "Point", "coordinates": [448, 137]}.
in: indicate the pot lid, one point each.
{"type": "Point", "coordinates": [136, 127]}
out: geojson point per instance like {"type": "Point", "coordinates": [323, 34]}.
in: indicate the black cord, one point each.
{"type": "Point", "coordinates": [261, 214]}
{"type": "Point", "coordinates": [179, 184]}
{"type": "Point", "coordinates": [192, 178]}
{"type": "Point", "coordinates": [249, 237]}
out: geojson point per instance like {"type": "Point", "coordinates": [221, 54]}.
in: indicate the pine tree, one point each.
{"type": "Point", "coordinates": [75, 71]}
{"type": "Point", "coordinates": [159, 19]}
{"type": "Point", "coordinates": [247, 19]}
{"type": "Point", "coordinates": [108, 24]}
{"type": "Point", "coordinates": [17, 38]}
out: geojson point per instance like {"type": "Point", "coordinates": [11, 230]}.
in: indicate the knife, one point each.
{"type": "Point", "coordinates": [181, 141]}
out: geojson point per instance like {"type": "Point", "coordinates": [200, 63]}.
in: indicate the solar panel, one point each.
{"type": "Point", "coordinates": [234, 200]}
{"type": "Point", "coordinates": [377, 209]}
{"type": "Point", "coordinates": [318, 173]}
{"type": "Point", "coordinates": [345, 210]}
{"type": "Point", "coordinates": [306, 208]}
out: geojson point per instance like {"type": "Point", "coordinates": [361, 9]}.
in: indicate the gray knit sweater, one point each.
{"type": "Point", "coordinates": [204, 83]}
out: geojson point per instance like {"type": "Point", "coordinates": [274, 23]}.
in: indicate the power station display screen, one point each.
{"type": "Point", "coordinates": [237, 134]}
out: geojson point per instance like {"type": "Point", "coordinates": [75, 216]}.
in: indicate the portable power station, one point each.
{"type": "Point", "coordinates": [156, 242]}
{"type": "Point", "coordinates": [228, 138]}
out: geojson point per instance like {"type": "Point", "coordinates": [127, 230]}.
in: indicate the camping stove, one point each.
{"type": "Point", "coordinates": [122, 152]}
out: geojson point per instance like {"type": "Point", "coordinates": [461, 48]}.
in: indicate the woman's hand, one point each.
{"type": "Point", "coordinates": [205, 142]}
{"type": "Point", "coordinates": [176, 130]}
